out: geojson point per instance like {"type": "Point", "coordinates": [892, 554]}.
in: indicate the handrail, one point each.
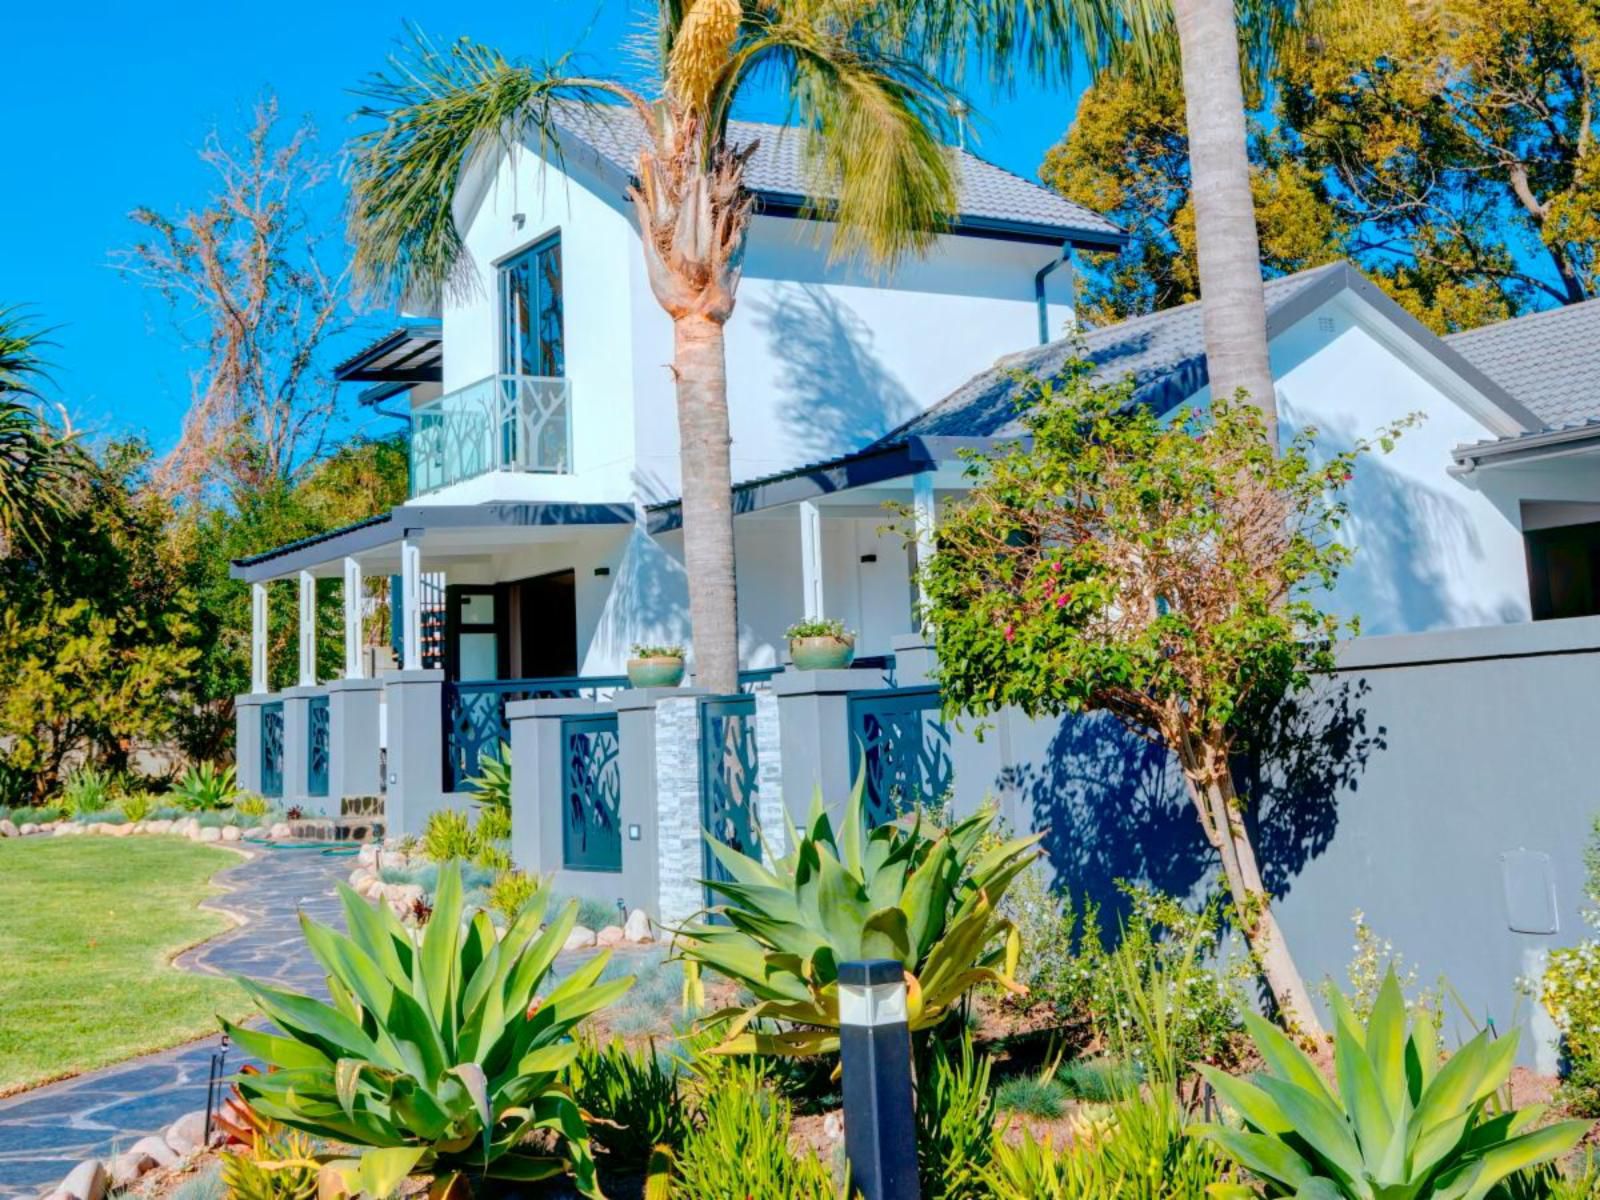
{"type": "Point", "coordinates": [497, 423]}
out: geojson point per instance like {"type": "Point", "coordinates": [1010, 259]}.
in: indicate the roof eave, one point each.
{"type": "Point", "coordinates": [789, 204]}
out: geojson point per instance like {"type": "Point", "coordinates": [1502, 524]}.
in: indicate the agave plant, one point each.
{"type": "Point", "coordinates": [1397, 1125]}
{"type": "Point", "coordinates": [206, 787]}
{"type": "Point", "coordinates": [492, 784]}
{"type": "Point", "coordinates": [929, 899]}
{"type": "Point", "coordinates": [437, 1053]}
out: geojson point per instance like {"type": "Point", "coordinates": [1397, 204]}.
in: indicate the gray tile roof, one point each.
{"type": "Point", "coordinates": [1548, 360]}
{"type": "Point", "coordinates": [1163, 352]}
{"type": "Point", "coordinates": [989, 195]}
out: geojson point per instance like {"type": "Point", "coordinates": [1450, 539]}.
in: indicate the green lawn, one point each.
{"type": "Point", "coordinates": [88, 931]}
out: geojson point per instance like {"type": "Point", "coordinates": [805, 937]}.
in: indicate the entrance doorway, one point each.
{"type": "Point", "coordinates": [543, 627]}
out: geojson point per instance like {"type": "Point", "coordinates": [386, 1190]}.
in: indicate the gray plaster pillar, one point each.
{"type": "Point", "coordinates": [247, 740]}
{"type": "Point", "coordinates": [814, 730]}
{"type": "Point", "coordinates": [915, 662]}
{"type": "Point", "coordinates": [415, 702]}
{"type": "Point", "coordinates": [354, 712]}
{"type": "Point", "coordinates": [536, 754]}
{"type": "Point", "coordinates": [297, 745]}
{"type": "Point", "coordinates": [639, 748]}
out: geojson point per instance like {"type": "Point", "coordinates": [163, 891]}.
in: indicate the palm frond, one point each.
{"type": "Point", "coordinates": [21, 365]}
{"type": "Point", "coordinates": [36, 464]}
{"type": "Point", "coordinates": [439, 111]}
{"type": "Point", "coordinates": [876, 128]}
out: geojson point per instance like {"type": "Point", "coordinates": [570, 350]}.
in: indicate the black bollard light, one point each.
{"type": "Point", "coordinates": [880, 1127]}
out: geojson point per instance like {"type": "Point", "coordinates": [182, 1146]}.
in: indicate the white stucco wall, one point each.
{"type": "Point", "coordinates": [1430, 551]}
{"type": "Point", "coordinates": [822, 358]}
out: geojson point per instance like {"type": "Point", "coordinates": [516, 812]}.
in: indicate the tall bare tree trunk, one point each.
{"type": "Point", "coordinates": [701, 370]}
{"type": "Point", "coordinates": [1229, 252]}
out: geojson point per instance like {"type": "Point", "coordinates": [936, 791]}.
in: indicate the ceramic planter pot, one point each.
{"type": "Point", "coordinates": [822, 653]}
{"type": "Point", "coordinates": [658, 671]}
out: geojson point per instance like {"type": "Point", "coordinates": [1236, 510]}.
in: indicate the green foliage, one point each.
{"type": "Point", "coordinates": [511, 891]}
{"type": "Point", "coordinates": [442, 1046]}
{"type": "Point", "coordinates": [206, 787]}
{"type": "Point", "coordinates": [205, 1185]}
{"type": "Point", "coordinates": [1033, 1096]}
{"type": "Point", "coordinates": [1570, 992]}
{"type": "Point", "coordinates": [276, 1166]}
{"type": "Point", "coordinates": [491, 786]}
{"type": "Point", "coordinates": [448, 837]}
{"type": "Point", "coordinates": [37, 465]}
{"type": "Point", "coordinates": [87, 789]}
{"type": "Point", "coordinates": [494, 824]}
{"type": "Point", "coordinates": [34, 815]}
{"type": "Point", "coordinates": [817, 627]}
{"type": "Point", "coordinates": [17, 788]}
{"type": "Point", "coordinates": [250, 804]}
{"type": "Point", "coordinates": [652, 650]}
{"type": "Point", "coordinates": [739, 1146]}
{"type": "Point", "coordinates": [633, 1098]}
{"type": "Point", "coordinates": [1098, 1079]}
{"type": "Point", "coordinates": [1135, 1150]}
{"type": "Point", "coordinates": [1396, 1123]}
{"type": "Point", "coordinates": [136, 805]}
{"type": "Point", "coordinates": [955, 1121]}
{"type": "Point", "coordinates": [1162, 946]}
{"type": "Point", "coordinates": [898, 891]}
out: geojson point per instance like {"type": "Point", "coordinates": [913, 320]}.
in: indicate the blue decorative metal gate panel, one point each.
{"type": "Point", "coordinates": [272, 748]}
{"type": "Point", "coordinates": [906, 748]}
{"type": "Point", "coordinates": [317, 717]}
{"type": "Point", "coordinates": [475, 715]}
{"type": "Point", "coordinates": [591, 794]}
{"type": "Point", "coordinates": [728, 794]}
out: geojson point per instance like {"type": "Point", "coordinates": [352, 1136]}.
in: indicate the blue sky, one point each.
{"type": "Point", "coordinates": [104, 105]}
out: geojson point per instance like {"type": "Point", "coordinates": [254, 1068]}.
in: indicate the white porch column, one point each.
{"type": "Point", "coordinates": [308, 629]}
{"type": "Point", "coordinates": [352, 620]}
{"type": "Point", "coordinates": [411, 601]}
{"type": "Point", "coordinates": [258, 638]}
{"type": "Point", "coordinates": [811, 559]}
{"type": "Point", "coordinates": [926, 514]}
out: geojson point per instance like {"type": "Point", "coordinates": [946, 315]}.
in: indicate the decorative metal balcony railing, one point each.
{"type": "Point", "coordinates": [502, 423]}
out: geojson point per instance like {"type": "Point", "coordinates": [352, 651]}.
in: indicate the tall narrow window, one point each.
{"type": "Point", "coordinates": [531, 338]}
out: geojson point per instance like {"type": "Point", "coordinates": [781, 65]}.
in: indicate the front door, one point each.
{"type": "Point", "coordinates": [544, 626]}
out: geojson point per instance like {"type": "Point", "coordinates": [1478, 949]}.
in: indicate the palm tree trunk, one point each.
{"type": "Point", "coordinates": [1229, 252]}
{"type": "Point", "coordinates": [700, 366]}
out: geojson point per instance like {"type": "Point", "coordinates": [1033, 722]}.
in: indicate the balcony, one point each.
{"type": "Point", "coordinates": [502, 423]}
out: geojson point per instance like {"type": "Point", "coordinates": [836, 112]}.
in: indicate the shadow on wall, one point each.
{"type": "Point", "coordinates": [836, 395]}
{"type": "Point", "coordinates": [648, 601]}
{"type": "Point", "coordinates": [1115, 807]}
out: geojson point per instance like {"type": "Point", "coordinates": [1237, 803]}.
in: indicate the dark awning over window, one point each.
{"type": "Point", "coordinates": [410, 354]}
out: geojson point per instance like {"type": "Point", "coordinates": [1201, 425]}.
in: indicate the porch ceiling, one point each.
{"type": "Point", "coordinates": [447, 533]}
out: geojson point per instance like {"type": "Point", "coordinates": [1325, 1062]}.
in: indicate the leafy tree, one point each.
{"type": "Point", "coordinates": [862, 81]}
{"type": "Point", "coordinates": [1127, 155]}
{"type": "Point", "coordinates": [1159, 570]}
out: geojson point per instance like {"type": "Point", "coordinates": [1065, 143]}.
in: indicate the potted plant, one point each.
{"type": "Point", "coordinates": [655, 666]}
{"type": "Point", "coordinates": [821, 644]}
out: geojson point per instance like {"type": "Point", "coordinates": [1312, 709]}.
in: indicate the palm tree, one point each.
{"type": "Point", "coordinates": [35, 463]}
{"type": "Point", "coordinates": [865, 83]}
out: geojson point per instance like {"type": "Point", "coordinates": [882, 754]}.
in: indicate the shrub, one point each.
{"type": "Point", "coordinates": [277, 1166]}
{"type": "Point", "coordinates": [1098, 1079]}
{"type": "Point", "coordinates": [87, 790]}
{"type": "Point", "coordinates": [510, 892]}
{"type": "Point", "coordinates": [1570, 992]}
{"type": "Point", "coordinates": [492, 857]}
{"type": "Point", "coordinates": [739, 1146]}
{"type": "Point", "coordinates": [17, 786]}
{"type": "Point", "coordinates": [652, 650]}
{"type": "Point", "coordinates": [891, 892]}
{"type": "Point", "coordinates": [1033, 1096]}
{"type": "Point", "coordinates": [955, 1122]}
{"type": "Point", "coordinates": [1135, 1150]}
{"type": "Point", "coordinates": [136, 805]}
{"type": "Point", "coordinates": [441, 1047]}
{"type": "Point", "coordinates": [1396, 1122]}
{"type": "Point", "coordinates": [448, 837]}
{"type": "Point", "coordinates": [104, 816]}
{"type": "Point", "coordinates": [206, 1185]}
{"type": "Point", "coordinates": [34, 815]}
{"type": "Point", "coordinates": [494, 824]}
{"type": "Point", "coordinates": [252, 805]}
{"type": "Point", "coordinates": [634, 1097]}
{"type": "Point", "coordinates": [205, 787]}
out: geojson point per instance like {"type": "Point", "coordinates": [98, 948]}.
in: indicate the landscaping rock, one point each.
{"type": "Point", "coordinates": [281, 831]}
{"type": "Point", "coordinates": [129, 1167]}
{"type": "Point", "coordinates": [28, 829]}
{"type": "Point", "coordinates": [86, 1181]}
{"type": "Point", "coordinates": [579, 939]}
{"type": "Point", "coordinates": [368, 855]}
{"type": "Point", "coordinates": [401, 896]}
{"type": "Point", "coordinates": [159, 826]}
{"type": "Point", "coordinates": [156, 1148]}
{"type": "Point", "coordinates": [231, 833]}
{"type": "Point", "coordinates": [59, 1195]}
{"type": "Point", "coordinates": [188, 1133]}
{"type": "Point", "coordinates": [8, 829]}
{"type": "Point", "coordinates": [122, 830]}
{"type": "Point", "coordinates": [255, 833]}
{"type": "Point", "coordinates": [638, 927]}
{"type": "Point", "coordinates": [209, 834]}
{"type": "Point", "coordinates": [611, 935]}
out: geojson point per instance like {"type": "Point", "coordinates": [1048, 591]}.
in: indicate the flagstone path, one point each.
{"type": "Point", "coordinates": [47, 1131]}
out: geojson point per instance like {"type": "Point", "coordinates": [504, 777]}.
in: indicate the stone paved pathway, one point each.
{"type": "Point", "coordinates": [45, 1132]}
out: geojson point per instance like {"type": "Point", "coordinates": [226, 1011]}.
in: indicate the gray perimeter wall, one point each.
{"type": "Point", "coordinates": [1442, 783]}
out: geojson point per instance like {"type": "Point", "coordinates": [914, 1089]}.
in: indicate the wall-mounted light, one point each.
{"type": "Point", "coordinates": [602, 570]}
{"type": "Point", "coordinates": [519, 219]}
{"type": "Point", "coordinates": [866, 558]}
{"type": "Point", "coordinates": [634, 833]}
